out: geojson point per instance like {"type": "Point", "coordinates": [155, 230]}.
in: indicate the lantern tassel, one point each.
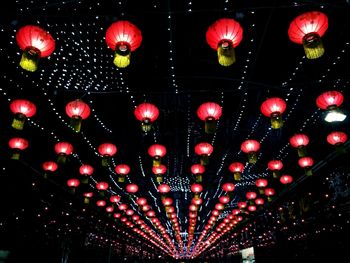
{"type": "Point", "coordinates": [210, 126]}
{"type": "Point", "coordinates": [261, 190]}
{"type": "Point", "coordinates": [275, 174]}
{"type": "Point", "coordinates": [252, 158]}
{"type": "Point", "coordinates": [204, 159]}
{"type": "Point", "coordinates": [15, 156]}
{"type": "Point", "coordinates": [75, 122]}
{"type": "Point", "coordinates": [340, 149]}
{"type": "Point", "coordinates": [157, 161]}
{"type": "Point", "coordinates": [226, 54]}
{"type": "Point", "coordinates": [86, 200]}
{"type": "Point", "coordinates": [308, 171]}
{"type": "Point", "coordinates": [146, 127]}
{"type": "Point", "coordinates": [61, 159]}
{"type": "Point", "coordinates": [30, 59]}
{"type": "Point", "coordinates": [313, 46]}
{"type": "Point", "coordinates": [237, 176]}
{"type": "Point", "coordinates": [159, 178]}
{"type": "Point", "coordinates": [122, 56]}
{"type": "Point", "coordinates": [121, 179]}
{"type": "Point", "coordinates": [85, 180]}
{"type": "Point", "coordinates": [301, 151]}
{"type": "Point", "coordinates": [276, 121]}
{"type": "Point", "coordinates": [105, 161]}
{"type": "Point", "coordinates": [18, 121]}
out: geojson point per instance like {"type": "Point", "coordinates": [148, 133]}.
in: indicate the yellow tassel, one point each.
{"type": "Point", "coordinates": [75, 122]}
{"type": "Point", "coordinates": [313, 46]}
{"type": "Point", "coordinates": [122, 55]}
{"type": "Point", "coordinates": [199, 178]}
{"type": "Point", "coordinates": [226, 54]}
{"type": "Point", "coordinates": [30, 59]}
{"type": "Point", "coordinates": [18, 121]}
{"type": "Point", "coordinates": [61, 159]}
{"type": "Point", "coordinates": [159, 178]}
{"type": "Point", "coordinates": [146, 127]}
{"type": "Point", "coordinates": [15, 156]}
{"type": "Point", "coordinates": [157, 161]}
{"type": "Point", "coordinates": [252, 157]}
{"type": "Point", "coordinates": [276, 122]}
{"type": "Point", "coordinates": [237, 176]}
{"type": "Point", "coordinates": [121, 179]}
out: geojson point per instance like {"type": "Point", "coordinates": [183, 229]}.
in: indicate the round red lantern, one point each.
{"type": "Point", "coordinates": [237, 169]}
{"type": "Point", "coordinates": [269, 192]}
{"type": "Point", "coordinates": [330, 101]}
{"type": "Point", "coordinates": [107, 150]}
{"type": "Point", "coordinates": [63, 149]}
{"type": "Point", "coordinates": [167, 201]}
{"type": "Point", "coordinates": [275, 166]}
{"type": "Point", "coordinates": [36, 43]}
{"type": "Point", "coordinates": [141, 201]}
{"type": "Point", "coordinates": [224, 35]}
{"type": "Point", "coordinates": [102, 187]}
{"type": "Point", "coordinates": [86, 170]}
{"type": "Point", "coordinates": [196, 189]}
{"type": "Point", "coordinates": [251, 195]}
{"type": "Point", "coordinates": [109, 209]}
{"type": "Point", "coordinates": [250, 147]}
{"type": "Point", "coordinates": [17, 145]}
{"type": "Point", "coordinates": [122, 207]}
{"type": "Point", "coordinates": [198, 201]}
{"type": "Point", "coordinates": [224, 199]}
{"type": "Point", "coordinates": [259, 201]}
{"type": "Point", "coordinates": [198, 170]}
{"type": "Point", "coordinates": [73, 183]}
{"type": "Point", "coordinates": [274, 108]}
{"type": "Point", "coordinates": [157, 151]}
{"type": "Point", "coordinates": [22, 109]}
{"type": "Point", "coordinates": [123, 37]}
{"type": "Point", "coordinates": [299, 141]}
{"type": "Point", "coordinates": [242, 205]}
{"type": "Point", "coordinates": [132, 188]}
{"type": "Point", "coordinates": [228, 187]}
{"type": "Point", "coordinates": [77, 110]}
{"type": "Point", "coordinates": [114, 199]}
{"type": "Point", "coordinates": [307, 29]}
{"type": "Point", "coordinates": [337, 138]}
{"type": "Point", "coordinates": [252, 208]}
{"type": "Point", "coordinates": [122, 170]}
{"type": "Point", "coordinates": [87, 196]}
{"type": "Point", "coordinates": [204, 150]}
{"type": "Point", "coordinates": [49, 168]}
{"type": "Point", "coordinates": [286, 179]}
{"type": "Point", "coordinates": [209, 112]}
{"type": "Point", "coordinates": [306, 163]}
{"type": "Point", "coordinates": [261, 184]}
{"type": "Point", "coordinates": [159, 171]}
{"type": "Point", "coordinates": [163, 189]}
{"type": "Point", "coordinates": [101, 203]}
{"type": "Point", "coordinates": [147, 113]}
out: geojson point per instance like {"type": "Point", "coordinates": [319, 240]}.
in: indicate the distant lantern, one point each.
{"type": "Point", "coordinates": [275, 166]}
{"type": "Point", "coordinates": [274, 108]}
{"type": "Point", "coordinates": [114, 198]}
{"type": "Point", "coordinates": [101, 203]}
{"type": "Point", "coordinates": [224, 35]}
{"type": "Point", "coordinates": [102, 187]}
{"type": "Point", "coordinates": [132, 188]}
{"type": "Point", "coordinates": [237, 169]}
{"type": "Point", "coordinates": [147, 113]}
{"type": "Point", "coordinates": [259, 201]}
{"type": "Point", "coordinates": [109, 209]}
{"type": "Point", "coordinates": [197, 170]}
{"type": "Point", "coordinates": [299, 141]}
{"type": "Point", "coordinates": [269, 192]}
{"type": "Point", "coordinates": [123, 37]}
{"type": "Point", "coordinates": [107, 150]}
{"type": "Point", "coordinates": [307, 29]}
{"type": "Point", "coordinates": [228, 187]}
{"type": "Point", "coordinates": [77, 110]}
{"type": "Point", "coordinates": [86, 170]}
{"type": "Point", "coordinates": [73, 184]}
{"type": "Point", "coordinates": [306, 163]}
{"type": "Point", "coordinates": [167, 201]}
{"type": "Point", "coordinates": [196, 189]}
{"type": "Point", "coordinates": [209, 112]}
{"type": "Point", "coordinates": [242, 205]}
{"type": "Point", "coordinates": [261, 184]}
{"type": "Point", "coordinates": [22, 109]}
{"type": "Point", "coordinates": [36, 43]}
{"type": "Point", "coordinates": [204, 150]}
{"type": "Point", "coordinates": [251, 147]}
{"type": "Point", "coordinates": [49, 167]}
{"type": "Point", "coordinates": [17, 145]}
{"type": "Point", "coordinates": [87, 196]}
{"type": "Point", "coordinates": [224, 199]}
{"type": "Point", "coordinates": [252, 208]}
{"type": "Point", "coordinates": [159, 171]}
{"type": "Point", "coordinates": [251, 195]}
{"type": "Point", "coordinates": [63, 149]}
{"type": "Point", "coordinates": [286, 179]}
{"type": "Point", "coordinates": [157, 151]}
{"type": "Point", "coordinates": [337, 138]}
{"type": "Point", "coordinates": [141, 201]}
{"type": "Point", "coordinates": [163, 189]}
{"type": "Point", "coordinates": [122, 170]}
{"type": "Point", "coordinates": [330, 101]}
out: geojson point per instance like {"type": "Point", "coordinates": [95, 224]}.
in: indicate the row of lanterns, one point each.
{"type": "Point", "coordinates": [224, 36]}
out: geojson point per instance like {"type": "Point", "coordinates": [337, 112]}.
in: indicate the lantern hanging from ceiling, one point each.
{"type": "Point", "coordinates": [17, 145]}
{"type": "Point", "coordinates": [22, 109]}
{"type": "Point", "coordinates": [123, 37]}
{"type": "Point", "coordinates": [73, 183]}
{"type": "Point", "coordinates": [274, 108]}
{"type": "Point", "coordinates": [159, 171]}
{"type": "Point", "coordinates": [157, 151]}
{"type": "Point", "coordinates": [259, 201]}
{"type": "Point", "coordinates": [251, 195]}
{"type": "Point", "coordinates": [87, 196]}
{"type": "Point", "coordinates": [275, 166]}
{"type": "Point", "coordinates": [101, 203]}
{"type": "Point", "coordinates": [209, 112]}
{"type": "Point", "coordinates": [132, 188]}
{"type": "Point", "coordinates": [228, 188]}
{"type": "Point", "coordinates": [77, 110]}
{"type": "Point", "coordinates": [86, 170]}
{"type": "Point", "coordinates": [196, 189]}
{"type": "Point", "coordinates": [114, 198]}
{"type": "Point", "coordinates": [49, 167]}
{"type": "Point", "coordinates": [237, 169]}
{"type": "Point", "coordinates": [198, 170]}
{"type": "Point", "coordinates": [299, 141]}
{"type": "Point", "coordinates": [122, 170]}
{"type": "Point", "coordinates": [252, 208]}
{"type": "Point", "coordinates": [102, 187]}
{"type": "Point", "coordinates": [141, 201]}
{"type": "Point", "coordinates": [250, 147]}
{"type": "Point", "coordinates": [204, 150]}
{"type": "Point", "coordinates": [63, 149]}
{"type": "Point", "coordinates": [163, 189]}
{"type": "Point", "coordinates": [242, 205]}
{"type": "Point", "coordinates": [269, 192]}
{"type": "Point", "coordinates": [306, 163]}
{"type": "Point", "coordinates": [224, 199]}
{"type": "Point", "coordinates": [307, 29]}
{"type": "Point", "coordinates": [261, 184]}
{"type": "Point", "coordinates": [330, 102]}
{"type": "Point", "coordinates": [147, 113]}
{"type": "Point", "coordinates": [286, 179]}
{"type": "Point", "coordinates": [36, 43]}
{"type": "Point", "coordinates": [337, 138]}
{"type": "Point", "coordinates": [224, 35]}
{"type": "Point", "coordinates": [107, 150]}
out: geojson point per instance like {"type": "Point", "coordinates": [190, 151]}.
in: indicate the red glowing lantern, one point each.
{"type": "Point", "coordinates": [224, 199]}
{"type": "Point", "coordinates": [22, 109]}
{"type": "Point", "coordinates": [330, 101]}
{"type": "Point", "coordinates": [141, 201]}
{"type": "Point", "coordinates": [237, 169]}
{"type": "Point", "coordinates": [122, 207]}
{"type": "Point", "coordinates": [132, 188]}
{"type": "Point", "coordinates": [250, 147]}
{"type": "Point", "coordinates": [107, 150]}
{"type": "Point", "coordinates": [252, 208]}
{"type": "Point", "coordinates": [146, 113]}
{"type": "Point", "coordinates": [204, 150]}
{"type": "Point", "coordinates": [87, 197]}
{"type": "Point", "coordinates": [337, 138]}
{"type": "Point", "coordinates": [63, 149]}
{"type": "Point", "coordinates": [224, 35]}
{"type": "Point", "coordinates": [274, 108]}
{"type": "Point", "coordinates": [299, 141]}
{"type": "Point", "coordinates": [129, 212]}
{"type": "Point", "coordinates": [157, 151]}
{"type": "Point", "coordinates": [109, 209]}
{"type": "Point", "coordinates": [275, 166]}
{"type": "Point", "coordinates": [159, 171]}
{"type": "Point", "coordinates": [167, 201]}
{"type": "Point", "coordinates": [269, 192]}
{"type": "Point", "coordinates": [259, 201]}
{"type": "Point", "coordinates": [209, 112]}
{"type": "Point", "coordinates": [102, 187]}
{"type": "Point", "coordinates": [122, 170]}
{"type": "Point", "coordinates": [251, 195]}
{"type": "Point", "coordinates": [49, 167]}
{"type": "Point", "coordinates": [77, 110]}
{"type": "Point", "coordinates": [242, 205]}
{"type": "Point", "coordinates": [123, 37]}
{"type": "Point", "coordinates": [86, 170]}
{"type": "Point", "coordinates": [151, 213]}
{"type": "Point", "coordinates": [36, 43]}
{"type": "Point", "coordinates": [261, 184]}
{"type": "Point", "coordinates": [306, 163]}
{"type": "Point", "coordinates": [17, 145]}
{"type": "Point", "coordinates": [286, 179]}
{"type": "Point", "coordinates": [196, 189]}
{"type": "Point", "coordinates": [198, 201]}
{"type": "Point", "coordinates": [73, 183]}
{"type": "Point", "coordinates": [219, 206]}
{"type": "Point", "coordinates": [228, 187]}
{"type": "Point", "coordinates": [114, 198]}
{"type": "Point", "coordinates": [163, 189]}
{"type": "Point", "coordinates": [307, 29]}
{"type": "Point", "coordinates": [101, 203]}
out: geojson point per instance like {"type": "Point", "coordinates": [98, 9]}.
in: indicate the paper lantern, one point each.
{"type": "Point", "coordinates": [299, 141]}
{"type": "Point", "coordinates": [261, 184]}
{"type": "Point", "coordinates": [204, 150]}
{"type": "Point", "coordinates": [73, 184]}
{"type": "Point", "coordinates": [77, 110]}
{"type": "Point", "coordinates": [251, 195]}
{"type": "Point", "coordinates": [250, 147]}
{"type": "Point", "coordinates": [132, 188]}
{"type": "Point", "coordinates": [275, 166]}
{"type": "Point", "coordinates": [306, 163]}
{"type": "Point", "coordinates": [22, 109]}
{"type": "Point", "coordinates": [122, 170]}
{"type": "Point", "coordinates": [209, 112]}
{"type": "Point", "coordinates": [147, 113]}
{"type": "Point", "coordinates": [107, 150]}
{"type": "Point", "coordinates": [237, 169]}
{"type": "Point", "coordinates": [114, 199]}
{"type": "Point", "coordinates": [63, 149]}
{"type": "Point", "coordinates": [49, 168]}
{"type": "Point", "coordinates": [157, 151]}
{"type": "Point", "coordinates": [17, 145]}
{"type": "Point", "coordinates": [159, 171]}
{"type": "Point", "coordinates": [86, 170]}
{"type": "Point", "coordinates": [337, 138]}
{"type": "Point", "coordinates": [330, 102]}
{"type": "Point", "coordinates": [274, 108]}
{"type": "Point", "coordinates": [269, 192]}
{"type": "Point", "coordinates": [286, 179]}
{"type": "Point", "coordinates": [196, 189]}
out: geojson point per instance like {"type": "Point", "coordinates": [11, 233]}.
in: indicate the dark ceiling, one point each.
{"type": "Point", "coordinates": [176, 70]}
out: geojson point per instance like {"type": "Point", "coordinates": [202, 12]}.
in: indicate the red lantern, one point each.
{"type": "Point", "coordinates": [250, 147]}
{"type": "Point", "coordinates": [109, 209]}
{"type": "Point", "coordinates": [141, 201]}
{"type": "Point", "coordinates": [123, 37]}
{"type": "Point", "coordinates": [224, 199]}
{"type": "Point", "coordinates": [330, 101]}
{"type": "Point", "coordinates": [259, 201]}
{"type": "Point", "coordinates": [196, 189]}
{"type": "Point", "coordinates": [49, 168]}
{"type": "Point", "coordinates": [63, 149]}
{"type": "Point", "coordinates": [146, 113]}
{"type": "Point", "coordinates": [274, 108]}
{"type": "Point", "coordinates": [337, 138]}
{"type": "Point", "coordinates": [228, 187]}
{"type": "Point", "coordinates": [237, 169]}
{"type": "Point", "coordinates": [261, 184]}
{"type": "Point", "coordinates": [286, 179]}
{"type": "Point", "coordinates": [36, 43]}
{"type": "Point", "coordinates": [159, 171]}
{"type": "Point", "coordinates": [269, 192]}
{"type": "Point", "coordinates": [198, 201]}
{"type": "Point", "coordinates": [242, 205]}
{"type": "Point", "coordinates": [114, 198]}
{"type": "Point", "coordinates": [219, 206]}
{"type": "Point", "coordinates": [307, 29]}
{"type": "Point", "coordinates": [167, 201]}
{"type": "Point", "coordinates": [122, 207]}
{"type": "Point", "coordinates": [299, 141]}
{"type": "Point", "coordinates": [306, 163]}
{"type": "Point", "coordinates": [209, 112]}
{"type": "Point", "coordinates": [275, 166]}
{"type": "Point", "coordinates": [129, 212]}
{"type": "Point", "coordinates": [122, 170]}
{"type": "Point", "coordinates": [224, 35]}
{"type": "Point", "coordinates": [102, 186]}
{"type": "Point", "coordinates": [151, 213]}
{"type": "Point", "coordinates": [198, 170]}
{"type": "Point", "coordinates": [17, 145]}
{"type": "Point", "coordinates": [204, 150]}
{"type": "Point", "coordinates": [86, 170]}
{"type": "Point", "coordinates": [132, 188]}
{"type": "Point", "coordinates": [163, 189]}
{"type": "Point", "coordinates": [87, 197]}
{"type": "Point", "coordinates": [73, 183]}
{"type": "Point", "coordinates": [157, 151]}
{"type": "Point", "coordinates": [252, 208]}
{"type": "Point", "coordinates": [107, 150]}
{"type": "Point", "coordinates": [251, 195]}
{"type": "Point", "coordinates": [101, 203]}
{"type": "Point", "coordinates": [77, 110]}
{"type": "Point", "coordinates": [22, 109]}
